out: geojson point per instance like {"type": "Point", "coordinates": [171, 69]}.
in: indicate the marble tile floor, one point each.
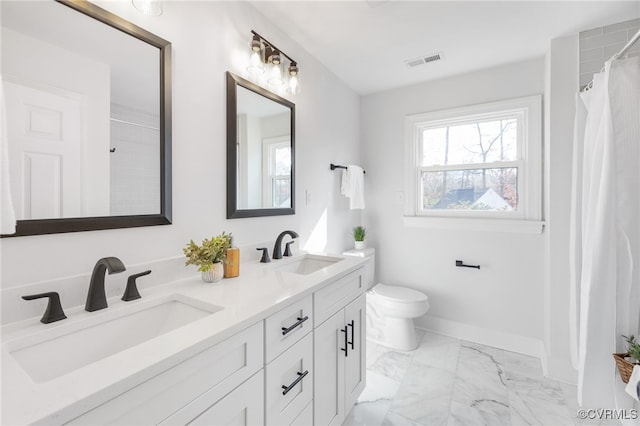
{"type": "Point", "coordinates": [450, 382]}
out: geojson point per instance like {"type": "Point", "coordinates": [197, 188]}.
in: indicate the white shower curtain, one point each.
{"type": "Point", "coordinates": [7, 213]}
{"type": "Point", "coordinates": [605, 234]}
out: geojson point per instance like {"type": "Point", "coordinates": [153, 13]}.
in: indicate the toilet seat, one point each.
{"type": "Point", "coordinates": [399, 294]}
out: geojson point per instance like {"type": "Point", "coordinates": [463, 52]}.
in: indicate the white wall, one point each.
{"type": "Point", "coordinates": [209, 38]}
{"type": "Point", "coordinates": [253, 152]}
{"type": "Point", "coordinates": [561, 69]}
{"type": "Point", "coordinates": [275, 125]}
{"type": "Point", "coordinates": [501, 304]}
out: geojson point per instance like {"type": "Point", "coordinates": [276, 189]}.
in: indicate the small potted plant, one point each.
{"type": "Point", "coordinates": [633, 349]}
{"type": "Point", "coordinates": [359, 235]}
{"type": "Point", "coordinates": [209, 256]}
{"type": "Point", "coordinates": [626, 361]}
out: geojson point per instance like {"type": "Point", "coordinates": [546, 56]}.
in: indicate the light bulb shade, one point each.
{"type": "Point", "coordinates": [293, 80]}
{"type": "Point", "coordinates": [275, 75]}
{"type": "Point", "coordinates": [148, 7]}
{"type": "Point", "coordinates": [268, 54]}
{"type": "Point", "coordinates": [255, 63]}
{"type": "Point", "coordinates": [293, 85]}
{"type": "Point", "coordinates": [275, 58]}
{"type": "Point", "coordinates": [256, 46]}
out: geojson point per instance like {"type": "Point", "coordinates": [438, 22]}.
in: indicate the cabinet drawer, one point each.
{"type": "Point", "coordinates": [328, 300]}
{"type": "Point", "coordinates": [243, 406]}
{"type": "Point", "coordinates": [280, 332]}
{"type": "Point", "coordinates": [305, 418]}
{"type": "Point", "coordinates": [287, 370]}
{"type": "Point", "coordinates": [213, 373]}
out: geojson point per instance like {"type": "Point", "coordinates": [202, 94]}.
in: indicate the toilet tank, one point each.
{"type": "Point", "coordinates": [370, 266]}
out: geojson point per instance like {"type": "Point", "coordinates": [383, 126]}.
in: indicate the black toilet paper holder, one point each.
{"type": "Point", "coordinates": [461, 264]}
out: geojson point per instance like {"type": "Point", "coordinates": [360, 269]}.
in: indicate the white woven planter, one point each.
{"type": "Point", "coordinates": [215, 274]}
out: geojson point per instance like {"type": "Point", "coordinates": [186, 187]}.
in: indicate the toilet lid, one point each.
{"type": "Point", "coordinates": [400, 294]}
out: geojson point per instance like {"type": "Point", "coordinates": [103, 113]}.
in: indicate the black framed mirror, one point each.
{"type": "Point", "coordinates": [88, 108]}
{"type": "Point", "coordinates": [260, 151]}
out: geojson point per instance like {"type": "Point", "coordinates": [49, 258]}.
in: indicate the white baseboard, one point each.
{"type": "Point", "coordinates": [497, 339]}
{"type": "Point", "coordinates": [552, 367]}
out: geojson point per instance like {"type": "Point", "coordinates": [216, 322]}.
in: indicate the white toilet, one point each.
{"type": "Point", "coordinates": [390, 309]}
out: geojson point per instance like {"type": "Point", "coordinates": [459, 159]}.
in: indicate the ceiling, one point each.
{"type": "Point", "coordinates": [366, 42]}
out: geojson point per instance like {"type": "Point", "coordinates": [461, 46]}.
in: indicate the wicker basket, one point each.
{"type": "Point", "coordinates": [625, 368]}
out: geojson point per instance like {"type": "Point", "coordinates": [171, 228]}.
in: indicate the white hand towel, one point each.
{"type": "Point", "coordinates": [7, 214]}
{"type": "Point", "coordinates": [344, 184]}
{"type": "Point", "coordinates": [355, 190]}
{"type": "Point", "coordinates": [633, 387]}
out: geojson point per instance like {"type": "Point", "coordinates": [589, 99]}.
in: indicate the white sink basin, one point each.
{"type": "Point", "coordinates": [306, 264]}
{"type": "Point", "coordinates": [56, 352]}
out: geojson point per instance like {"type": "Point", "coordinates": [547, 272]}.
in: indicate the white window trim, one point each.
{"type": "Point", "coordinates": [528, 217]}
{"type": "Point", "coordinates": [267, 178]}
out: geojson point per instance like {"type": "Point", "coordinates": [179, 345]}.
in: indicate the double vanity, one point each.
{"type": "Point", "coordinates": [283, 344]}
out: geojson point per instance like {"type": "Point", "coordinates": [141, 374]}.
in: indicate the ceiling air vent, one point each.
{"type": "Point", "coordinates": [424, 60]}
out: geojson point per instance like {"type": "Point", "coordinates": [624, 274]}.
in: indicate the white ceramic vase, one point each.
{"type": "Point", "coordinates": [360, 245]}
{"type": "Point", "coordinates": [216, 273]}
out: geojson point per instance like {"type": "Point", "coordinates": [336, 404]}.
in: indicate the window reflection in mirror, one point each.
{"type": "Point", "coordinates": [260, 151]}
{"type": "Point", "coordinates": [277, 175]}
{"type": "Point", "coordinates": [263, 152]}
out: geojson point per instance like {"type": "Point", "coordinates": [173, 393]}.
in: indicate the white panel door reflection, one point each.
{"type": "Point", "coordinates": [44, 130]}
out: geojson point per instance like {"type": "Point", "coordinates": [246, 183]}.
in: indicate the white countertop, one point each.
{"type": "Point", "coordinates": [258, 292]}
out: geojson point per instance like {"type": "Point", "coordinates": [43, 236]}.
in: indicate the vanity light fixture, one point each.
{"type": "Point", "coordinates": [265, 57]}
{"type": "Point", "coordinates": [293, 85]}
{"type": "Point", "coordinates": [256, 67]}
{"type": "Point", "coordinates": [148, 7]}
{"type": "Point", "coordinates": [275, 75]}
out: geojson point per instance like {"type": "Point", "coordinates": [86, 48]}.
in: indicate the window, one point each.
{"type": "Point", "coordinates": [482, 161]}
{"type": "Point", "coordinates": [277, 169]}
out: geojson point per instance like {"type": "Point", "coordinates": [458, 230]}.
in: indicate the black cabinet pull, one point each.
{"type": "Point", "coordinates": [287, 330]}
{"type": "Point", "coordinates": [352, 325]}
{"type": "Point", "coordinates": [295, 382]}
{"type": "Point", "coordinates": [346, 342]}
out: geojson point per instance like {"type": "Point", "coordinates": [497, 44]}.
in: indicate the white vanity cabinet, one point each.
{"type": "Point", "coordinates": [339, 352]}
{"type": "Point", "coordinates": [302, 365]}
{"type": "Point", "coordinates": [182, 393]}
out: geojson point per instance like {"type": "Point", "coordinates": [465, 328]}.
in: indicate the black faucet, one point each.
{"type": "Point", "coordinates": [54, 310]}
{"type": "Point", "coordinates": [96, 298]}
{"type": "Point", "coordinates": [131, 291]}
{"type": "Point", "coordinates": [265, 255]}
{"type": "Point", "coordinates": [277, 249]}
